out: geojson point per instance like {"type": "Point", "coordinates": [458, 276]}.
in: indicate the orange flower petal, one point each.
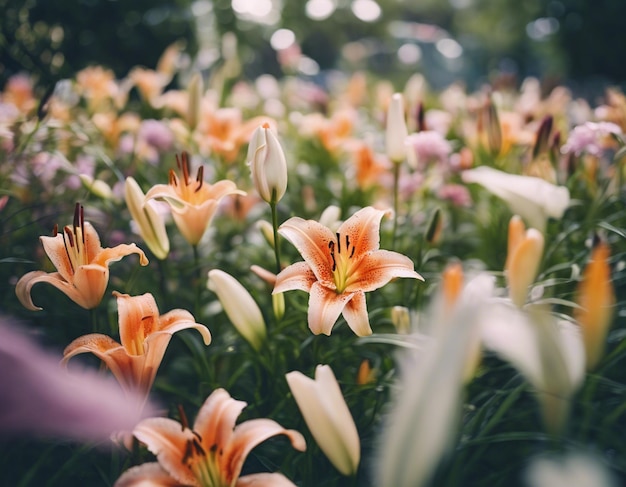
{"type": "Point", "coordinates": [325, 306]}
{"type": "Point", "coordinates": [311, 239]}
{"type": "Point", "coordinates": [355, 313]}
{"type": "Point", "coordinates": [378, 268]}
{"type": "Point", "coordinates": [105, 256]}
{"type": "Point", "coordinates": [264, 480]}
{"type": "Point", "coordinates": [55, 250]}
{"type": "Point", "coordinates": [151, 474]}
{"type": "Point", "coordinates": [27, 281]}
{"type": "Point", "coordinates": [296, 276]}
{"type": "Point", "coordinates": [168, 441]}
{"type": "Point", "coordinates": [363, 228]}
{"type": "Point", "coordinates": [248, 435]}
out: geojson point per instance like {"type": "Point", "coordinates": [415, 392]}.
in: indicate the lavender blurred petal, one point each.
{"type": "Point", "coordinates": [40, 398]}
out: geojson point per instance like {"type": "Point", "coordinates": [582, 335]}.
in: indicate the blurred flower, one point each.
{"type": "Point", "coordinates": [327, 415]}
{"type": "Point", "coordinates": [223, 131]}
{"type": "Point", "coordinates": [457, 194]}
{"type": "Point", "coordinates": [534, 199]}
{"type": "Point", "coordinates": [573, 470]}
{"type": "Point", "coordinates": [366, 374]}
{"type": "Point", "coordinates": [240, 307]}
{"type": "Point", "coordinates": [396, 130]}
{"type": "Point", "coordinates": [18, 91]}
{"type": "Point", "coordinates": [195, 90]}
{"type": "Point", "coordinates": [371, 170]}
{"type": "Point", "coordinates": [149, 222]}
{"type": "Point", "coordinates": [193, 202]}
{"type": "Point", "coordinates": [81, 262]}
{"type": "Point", "coordinates": [401, 319]}
{"type": "Point", "coordinates": [596, 298]}
{"type": "Point", "coordinates": [591, 137]}
{"type": "Point", "coordinates": [488, 128]}
{"type": "Point", "coordinates": [339, 268]}
{"type": "Point", "coordinates": [267, 164]}
{"type": "Point", "coordinates": [39, 398]}
{"type": "Point", "coordinates": [145, 335]}
{"type": "Point", "coordinates": [525, 251]}
{"type": "Point", "coordinates": [156, 134]}
{"type": "Point", "coordinates": [549, 354]}
{"type": "Point", "coordinates": [210, 455]}
{"type": "Point", "coordinates": [334, 133]}
{"type": "Point", "coordinates": [97, 85]}
{"type": "Point", "coordinates": [427, 406]}
{"type": "Point", "coordinates": [427, 147]}
{"type": "Point", "coordinates": [97, 187]}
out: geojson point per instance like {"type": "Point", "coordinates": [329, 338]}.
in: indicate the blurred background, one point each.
{"type": "Point", "coordinates": [575, 42]}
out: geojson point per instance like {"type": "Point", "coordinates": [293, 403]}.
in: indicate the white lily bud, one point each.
{"type": "Point", "coordinates": [149, 221]}
{"type": "Point", "coordinates": [327, 415]}
{"type": "Point", "coordinates": [396, 132]}
{"type": "Point", "coordinates": [267, 164]}
{"type": "Point", "coordinates": [240, 307]}
{"type": "Point", "coordinates": [96, 187]}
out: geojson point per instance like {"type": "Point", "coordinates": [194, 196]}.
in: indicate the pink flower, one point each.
{"type": "Point", "coordinates": [428, 147]}
{"type": "Point", "coordinates": [40, 398]}
{"type": "Point", "coordinates": [590, 137]}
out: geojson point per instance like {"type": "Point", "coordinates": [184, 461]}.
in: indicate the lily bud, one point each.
{"type": "Point", "coordinates": [195, 90]}
{"type": "Point", "coordinates": [489, 130]}
{"type": "Point", "coordinates": [267, 164]}
{"type": "Point", "coordinates": [433, 231]}
{"type": "Point", "coordinates": [149, 221]}
{"type": "Point", "coordinates": [396, 132]}
{"type": "Point", "coordinates": [401, 319]}
{"type": "Point", "coordinates": [596, 298]}
{"type": "Point", "coordinates": [523, 264]}
{"type": "Point", "coordinates": [542, 142]}
{"type": "Point", "coordinates": [240, 307]}
{"type": "Point", "coordinates": [278, 305]}
{"type": "Point", "coordinates": [366, 374]}
{"type": "Point", "coordinates": [97, 187]}
{"type": "Point", "coordinates": [327, 415]}
{"type": "Point", "coordinates": [267, 231]}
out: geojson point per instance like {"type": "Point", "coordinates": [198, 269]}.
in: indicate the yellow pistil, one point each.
{"type": "Point", "coordinates": [341, 263]}
{"type": "Point", "coordinates": [74, 240]}
{"type": "Point", "coordinates": [185, 186]}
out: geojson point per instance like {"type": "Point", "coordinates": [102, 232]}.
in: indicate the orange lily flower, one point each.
{"type": "Point", "coordinates": [212, 453]}
{"type": "Point", "coordinates": [193, 202]}
{"type": "Point", "coordinates": [339, 268]}
{"type": "Point", "coordinates": [81, 262]}
{"type": "Point", "coordinates": [145, 335]}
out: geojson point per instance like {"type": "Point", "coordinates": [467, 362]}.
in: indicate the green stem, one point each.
{"type": "Point", "coordinates": [198, 280]}
{"type": "Point", "coordinates": [275, 229]}
{"type": "Point", "coordinates": [396, 201]}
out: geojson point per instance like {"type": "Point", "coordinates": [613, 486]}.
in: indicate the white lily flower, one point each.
{"type": "Point", "coordinates": [423, 420]}
{"type": "Point", "coordinates": [327, 415]}
{"type": "Point", "coordinates": [549, 354]}
{"type": "Point", "coordinates": [240, 307]}
{"type": "Point", "coordinates": [534, 199]}
{"type": "Point", "coordinates": [573, 470]}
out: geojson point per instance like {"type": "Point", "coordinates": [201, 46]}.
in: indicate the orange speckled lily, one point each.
{"type": "Point", "coordinates": [81, 262]}
{"type": "Point", "coordinates": [145, 335]}
{"type": "Point", "coordinates": [339, 268]}
{"type": "Point", "coordinates": [212, 453]}
{"type": "Point", "coordinates": [193, 201]}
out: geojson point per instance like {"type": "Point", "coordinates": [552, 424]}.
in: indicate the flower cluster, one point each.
{"type": "Point", "coordinates": [394, 283]}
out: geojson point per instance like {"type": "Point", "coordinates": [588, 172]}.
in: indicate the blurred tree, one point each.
{"type": "Point", "coordinates": [53, 40]}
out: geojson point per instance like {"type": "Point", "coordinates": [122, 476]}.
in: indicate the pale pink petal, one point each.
{"type": "Point", "coordinates": [264, 480]}
{"type": "Point", "coordinates": [325, 306]}
{"type": "Point", "coordinates": [168, 440]}
{"type": "Point", "coordinates": [92, 241]}
{"type": "Point", "coordinates": [217, 417]}
{"type": "Point", "coordinates": [40, 398]}
{"type": "Point", "coordinates": [355, 314]}
{"type": "Point", "coordinates": [249, 434]}
{"type": "Point", "coordinates": [378, 268]}
{"type": "Point", "coordinates": [312, 240]}
{"type": "Point", "coordinates": [363, 229]}
{"type": "Point", "coordinates": [146, 475]}
{"type": "Point", "coordinates": [166, 192]}
{"type": "Point", "coordinates": [296, 276]}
